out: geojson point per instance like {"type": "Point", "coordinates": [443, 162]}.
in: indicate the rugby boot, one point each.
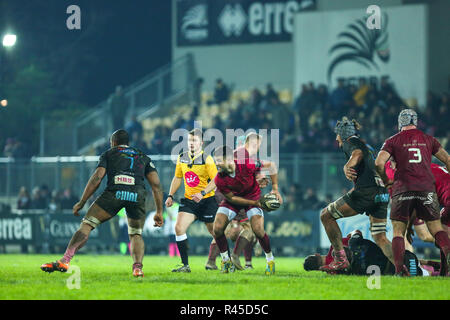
{"type": "Point", "coordinates": [227, 267]}
{"type": "Point", "coordinates": [137, 270]}
{"type": "Point", "coordinates": [270, 268]}
{"type": "Point", "coordinates": [236, 262]}
{"type": "Point", "coordinates": [55, 266]}
{"type": "Point", "coordinates": [184, 268]}
{"type": "Point", "coordinates": [211, 265]}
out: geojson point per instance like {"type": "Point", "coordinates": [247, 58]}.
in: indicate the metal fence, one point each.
{"type": "Point", "coordinates": [323, 172]}
{"type": "Point", "coordinates": [156, 93]}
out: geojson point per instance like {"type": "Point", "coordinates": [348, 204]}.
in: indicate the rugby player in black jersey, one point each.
{"type": "Point", "coordinates": [368, 196]}
{"type": "Point", "coordinates": [126, 168]}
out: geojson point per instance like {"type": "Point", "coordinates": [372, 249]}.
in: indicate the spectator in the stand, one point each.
{"type": "Point", "coordinates": [139, 143]}
{"type": "Point", "coordinates": [443, 121]}
{"type": "Point", "coordinates": [256, 98]}
{"type": "Point", "coordinates": [271, 94]}
{"type": "Point", "coordinates": [294, 197]}
{"type": "Point", "coordinates": [23, 199]}
{"type": "Point", "coordinates": [45, 194]}
{"type": "Point", "coordinates": [360, 95]}
{"type": "Point", "coordinates": [118, 105]}
{"type": "Point", "coordinates": [68, 199]}
{"type": "Point", "coordinates": [310, 201]}
{"type": "Point", "coordinates": [10, 145]}
{"type": "Point", "coordinates": [134, 126]}
{"type": "Point", "coordinates": [340, 97]}
{"type": "Point", "coordinates": [197, 94]}
{"type": "Point", "coordinates": [55, 202]}
{"type": "Point", "coordinates": [21, 150]}
{"type": "Point", "coordinates": [221, 92]}
{"type": "Point", "coordinates": [37, 200]}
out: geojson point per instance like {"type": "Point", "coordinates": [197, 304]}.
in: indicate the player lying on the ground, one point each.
{"type": "Point", "coordinates": [239, 230]}
{"type": "Point", "coordinates": [368, 196]}
{"type": "Point", "coordinates": [126, 168]}
{"type": "Point", "coordinates": [363, 253]}
{"type": "Point", "coordinates": [236, 180]}
{"type": "Point", "coordinates": [413, 188]}
{"type": "Point", "coordinates": [196, 168]}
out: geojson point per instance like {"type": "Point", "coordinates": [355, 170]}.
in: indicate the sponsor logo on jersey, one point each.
{"type": "Point", "coordinates": [192, 179]}
{"type": "Point", "coordinates": [123, 179]}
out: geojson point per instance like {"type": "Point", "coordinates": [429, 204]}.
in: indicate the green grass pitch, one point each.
{"type": "Point", "coordinates": [109, 277]}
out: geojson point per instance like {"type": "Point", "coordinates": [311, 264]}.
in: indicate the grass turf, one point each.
{"type": "Point", "coordinates": [109, 277]}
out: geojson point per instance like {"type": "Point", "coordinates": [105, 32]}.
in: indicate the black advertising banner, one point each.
{"type": "Point", "coordinates": [214, 22]}
{"type": "Point", "coordinates": [18, 229]}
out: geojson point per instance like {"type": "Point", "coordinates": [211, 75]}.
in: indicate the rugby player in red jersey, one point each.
{"type": "Point", "coordinates": [236, 180]}
{"type": "Point", "coordinates": [413, 186]}
{"type": "Point", "coordinates": [239, 230]}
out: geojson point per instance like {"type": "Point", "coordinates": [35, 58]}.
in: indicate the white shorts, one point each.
{"type": "Point", "coordinates": [231, 214]}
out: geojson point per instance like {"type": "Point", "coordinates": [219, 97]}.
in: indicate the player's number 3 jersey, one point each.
{"type": "Point", "coordinates": [196, 172]}
{"type": "Point", "coordinates": [412, 151]}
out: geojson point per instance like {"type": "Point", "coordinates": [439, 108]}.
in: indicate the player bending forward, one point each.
{"type": "Point", "coordinates": [126, 169]}
{"type": "Point", "coordinates": [413, 186]}
{"type": "Point", "coordinates": [368, 196]}
{"type": "Point", "coordinates": [236, 180]}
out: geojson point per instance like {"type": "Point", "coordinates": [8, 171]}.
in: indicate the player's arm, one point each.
{"type": "Point", "coordinates": [444, 157]}
{"type": "Point", "coordinates": [273, 173]}
{"type": "Point", "coordinates": [380, 162]}
{"type": "Point", "coordinates": [349, 171]}
{"type": "Point", "coordinates": [91, 187]}
{"type": "Point", "coordinates": [241, 201]}
{"type": "Point", "coordinates": [153, 180]}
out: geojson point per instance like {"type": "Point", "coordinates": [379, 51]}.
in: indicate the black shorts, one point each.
{"type": "Point", "coordinates": [205, 210]}
{"type": "Point", "coordinates": [426, 205]}
{"type": "Point", "coordinates": [373, 201]}
{"type": "Point", "coordinates": [112, 201]}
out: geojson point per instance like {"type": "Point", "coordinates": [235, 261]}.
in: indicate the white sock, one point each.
{"type": "Point", "coordinates": [225, 256]}
{"type": "Point", "coordinates": [269, 256]}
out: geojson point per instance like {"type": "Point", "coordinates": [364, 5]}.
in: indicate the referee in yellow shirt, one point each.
{"type": "Point", "coordinates": [196, 169]}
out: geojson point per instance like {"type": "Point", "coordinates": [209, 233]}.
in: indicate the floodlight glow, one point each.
{"type": "Point", "coordinates": [9, 40]}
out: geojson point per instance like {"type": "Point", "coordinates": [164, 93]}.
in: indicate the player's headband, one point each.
{"type": "Point", "coordinates": [407, 117]}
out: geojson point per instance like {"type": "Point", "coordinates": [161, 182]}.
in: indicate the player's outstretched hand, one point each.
{"type": "Point", "coordinates": [275, 192]}
{"type": "Point", "coordinates": [158, 219]}
{"type": "Point", "coordinates": [350, 173]}
{"type": "Point", "coordinates": [77, 207]}
{"type": "Point", "coordinates": [169, 202]}
{"type": "Point", "coordinates": [197, 197]}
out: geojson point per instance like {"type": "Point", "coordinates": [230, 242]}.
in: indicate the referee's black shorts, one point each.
{"type": "Point", "coordinates": [205, 210]}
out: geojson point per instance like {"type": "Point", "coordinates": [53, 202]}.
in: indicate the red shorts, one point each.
{"type": "Point", "coordinates": [445, 216]}
{"type": "Point", "coordinates": [425, 203]}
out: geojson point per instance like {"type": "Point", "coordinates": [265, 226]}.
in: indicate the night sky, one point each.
{"type": "Point", "coordinates": [119, 42]}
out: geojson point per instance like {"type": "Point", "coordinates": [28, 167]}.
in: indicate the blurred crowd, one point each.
{"type": "Point", "coordinates": [42, 198]}
{"type": "Point", "coordinates": [16, 148]}
{"type": "Point", "coordinates": [307, 124]}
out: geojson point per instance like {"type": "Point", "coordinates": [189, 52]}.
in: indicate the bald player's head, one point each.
{"type": "Point", "coordinates": [119, 137]}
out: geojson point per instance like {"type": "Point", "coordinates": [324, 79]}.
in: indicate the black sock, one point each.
{"type": "Point", "coordinates": [183, 248]}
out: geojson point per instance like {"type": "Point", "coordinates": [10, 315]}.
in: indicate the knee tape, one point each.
{"type": "Point", "coordinates": [335, 213]}
{"type": "Point", "coordinates": [379, 227]}
{"type": "Point", "coordinates": [134, 231]}
{"type": "Point", "coordinates": [92, 221]}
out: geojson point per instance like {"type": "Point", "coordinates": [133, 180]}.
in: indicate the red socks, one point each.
{"type": "Point", "coordinates": [398, 250]}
